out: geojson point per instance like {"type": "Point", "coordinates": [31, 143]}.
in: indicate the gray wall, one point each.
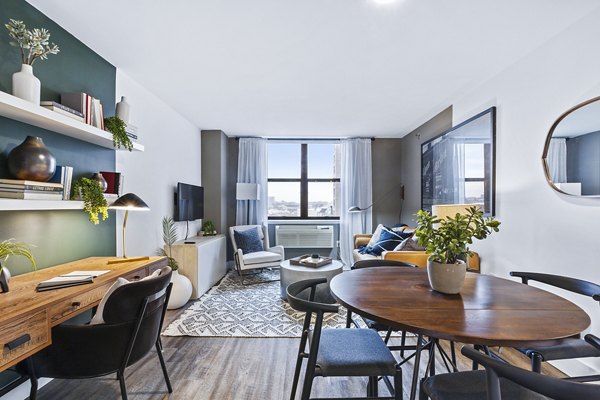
{"type": "Point", "coordinates": [214, 177]}
{"type": "Point", "coordinates": [583, 163]}
{"type": "Point", "coordinates": [410, 161]}
{"type": "Point", "coordinates": [387, 181]}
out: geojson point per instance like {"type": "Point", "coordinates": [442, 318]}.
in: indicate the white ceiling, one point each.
{"type": "Point", "coordinates": [312, 68]}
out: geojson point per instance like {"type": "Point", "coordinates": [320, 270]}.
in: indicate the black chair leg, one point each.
{"type": "Point", "coordinates": [536, 363]}
{"type": "Point", "coordinates": [307, 387]}
{"type": "Point", "coordinates": [163, 366]}
{"type": "Point", "coordinates": [32, 379]}
{"type": "Point", "coordinates": [402, 344]}
{"type": "Point", "coordinates": [122, 384]}
{"type": "Point", "coordinates": [398, 393]}
{"type": "Point", "coordinates": [373, 387]}
{"type": "Point", "coordinates": [348, 318]}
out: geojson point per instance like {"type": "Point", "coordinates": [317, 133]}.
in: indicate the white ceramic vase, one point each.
{"type": "Point", "coordinates": [446, 278]}
{"type": "Point", "coordinates": [25, 85]}
{"type": "Point", "coordinates": [181, 291]}
{"type": "Point", "coordinates": [123, 110]}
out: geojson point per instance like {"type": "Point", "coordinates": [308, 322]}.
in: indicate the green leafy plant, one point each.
{"type": "Point", "coordinates": [447, 240]}
{"type": "Point", "coordinates": [35, 44]}
{"type": "Point", "coordinates": [94, 202]}
{"type": "Point", "coordinates": [209, 228]}
{"type": "Point", "coordinates": [116, 126]}
{"type": "Point", "coordinates": [11, 248]}
{"type": "Point", "coordinates": [169, 238]}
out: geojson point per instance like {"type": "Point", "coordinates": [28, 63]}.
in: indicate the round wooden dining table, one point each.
{"type": "Point", "coordinates": [488, 311]}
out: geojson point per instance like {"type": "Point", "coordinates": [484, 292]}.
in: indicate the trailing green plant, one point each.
{"type": "Point", "coordinates": [34, 44]}
{"type": "Point", "coordinates": [447, 240]}
{"type": "Point", "coordinates": [169, 238]}
{"type": "Point", "coordinates": [209, 228]}
{"type": "Point", "coordinates": [94, 202]}
{"type": "Point", "coordinates": [116, 126]}
{"type": "Point", "coordinates": [11, 248]}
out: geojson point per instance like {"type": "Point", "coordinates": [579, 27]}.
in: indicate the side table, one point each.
{"type": "Point", "coordinates": [294, 273]}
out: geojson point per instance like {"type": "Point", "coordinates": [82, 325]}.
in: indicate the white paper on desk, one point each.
{"type": "Point", "coordinates": [80, 274]}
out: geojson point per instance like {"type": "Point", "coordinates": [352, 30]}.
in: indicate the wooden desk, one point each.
{"type": "Point", "coordinates": [24, 311]}
{"type": "Point", "coordinates": [488, 311]}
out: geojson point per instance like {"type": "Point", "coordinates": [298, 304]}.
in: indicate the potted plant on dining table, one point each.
{"type": "Point", "coordinates": [447, 241]}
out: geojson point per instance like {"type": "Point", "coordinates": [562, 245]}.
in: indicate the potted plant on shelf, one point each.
{"type": "Point", "coordinates": [11, 248]}
{"type": "Point", "coordinates": [34, 44]}
{"type": "Point", "coordinates": [116, 126]}
{"type": "Point", "coordinates": [208, 228]}
{"type": "Point", "coordinates": [447, 240]}
{"type": "Point", "coordinates": [94, 203]}
{"type": "Point", "coordinates": [182, 287]}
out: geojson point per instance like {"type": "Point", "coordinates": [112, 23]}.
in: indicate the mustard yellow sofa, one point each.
{"type": "Point", "coordinates": [418, 258]}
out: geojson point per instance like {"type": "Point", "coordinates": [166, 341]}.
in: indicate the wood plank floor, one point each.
{"type": "Point", "coordinates": [224, 369]}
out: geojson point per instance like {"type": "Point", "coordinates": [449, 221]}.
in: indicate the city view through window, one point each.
{"type": "Point", "coordinates": [304, 179]}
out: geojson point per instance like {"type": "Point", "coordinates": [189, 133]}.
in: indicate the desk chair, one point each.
{"type": "Point", "coordinates": [338, 352]}
{"type": "Point", "coordinates": [503, 381]}
{"type": "Point", "coordinates": [133, 317]}
{"type": "Point", "coordinates": [568, 348]}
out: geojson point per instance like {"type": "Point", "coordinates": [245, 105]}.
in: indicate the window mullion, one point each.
{"type": "Point", "coordinates": [304, 181]}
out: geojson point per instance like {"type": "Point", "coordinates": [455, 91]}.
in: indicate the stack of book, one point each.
{"type": "Point", "coordinates": [64, 176]}
{"type": "Point", "coordinates": [30, 190]}
{"type": "Point", "coordinates": [62, 109]}
{"type": "Point", "coordinates": [90, 107]}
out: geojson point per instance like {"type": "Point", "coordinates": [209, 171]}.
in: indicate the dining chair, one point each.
{"type": "Point", "coordinates": [133, 316]}
{"type": "Point", "coordinates": [500, 381]}
{"type": "Point", "coordinates": [571, 347]}
{"type": "Point", "coordinates": [338, 352]}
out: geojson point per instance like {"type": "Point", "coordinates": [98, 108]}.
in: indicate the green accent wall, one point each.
{"type": "Point", "coordinates": [58, 236]}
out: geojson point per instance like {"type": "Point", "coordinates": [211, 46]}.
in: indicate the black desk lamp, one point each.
{"type": "Point", "coordinates": [128, 202]}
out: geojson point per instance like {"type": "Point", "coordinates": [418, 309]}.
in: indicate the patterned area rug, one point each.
{"type": "Point", "coordinates": [231, 309]}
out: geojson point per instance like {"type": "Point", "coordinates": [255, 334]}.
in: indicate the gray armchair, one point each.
{"type": "Point", "coordinates": [268, 257]}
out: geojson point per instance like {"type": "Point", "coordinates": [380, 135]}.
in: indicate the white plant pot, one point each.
{"type": "Point", "coordinates": [180, 292]}
{"type": "Point", "coordinates": [446, 278]}
{"type": "Point", "coordinates": [122, 110]}
{"type": "Point", "coordinates": [25, 85]}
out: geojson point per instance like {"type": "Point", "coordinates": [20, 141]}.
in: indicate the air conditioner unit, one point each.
{"type": "Point", "coordinates": [304, 236]}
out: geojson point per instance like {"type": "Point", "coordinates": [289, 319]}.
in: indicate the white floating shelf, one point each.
{"type": "Point", "coordinates": [15, 108]}
{"type": "Point", "coordinates": [22, 205]}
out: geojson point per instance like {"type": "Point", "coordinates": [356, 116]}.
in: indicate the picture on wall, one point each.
{"type": "Point", "coordinates": [458, 166]}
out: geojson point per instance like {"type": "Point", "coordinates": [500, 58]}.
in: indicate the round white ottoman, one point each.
{"type": "Point", "coordinates": [294, 273]}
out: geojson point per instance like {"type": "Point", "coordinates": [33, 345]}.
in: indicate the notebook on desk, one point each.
{"type": "Point", "coordinates": [74, 278]}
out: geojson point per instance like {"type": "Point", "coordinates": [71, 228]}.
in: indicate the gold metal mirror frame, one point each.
{"type": "Point", "coordinates": [547, 146]}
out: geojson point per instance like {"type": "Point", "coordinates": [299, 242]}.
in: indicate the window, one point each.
{"type": "Point", "coordinates": [304, 180]}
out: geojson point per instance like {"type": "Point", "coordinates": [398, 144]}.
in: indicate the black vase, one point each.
{"type": "Point", "coordinates": [4, 277]}
{"type": "Point", "coordinates": [31, 160]}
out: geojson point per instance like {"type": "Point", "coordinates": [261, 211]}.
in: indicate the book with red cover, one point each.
{"type": "Point", "coordinates": [113, 180]}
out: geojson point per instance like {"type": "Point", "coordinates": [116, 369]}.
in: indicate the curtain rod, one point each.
{"type": "Point", "coordinates": [302, 139]}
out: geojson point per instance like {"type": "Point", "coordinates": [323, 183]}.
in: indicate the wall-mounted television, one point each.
{"type": "Point", "coordinates": [189, 202]}
{"type": "Point", "coordinates": [458, 166]}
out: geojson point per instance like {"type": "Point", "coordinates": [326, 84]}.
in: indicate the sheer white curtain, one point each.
{"type": "Point", "coordinates": [252, 168]}
{"type": "Point", "coordinates": [557, 160]}
{"type": "Point", "coordinates": [459, 172]}
{"type": "Point", "coordinates": [356, 188]}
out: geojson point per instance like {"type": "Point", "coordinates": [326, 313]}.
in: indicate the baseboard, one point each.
{"type": "Point", "coordinates": [21, 392]}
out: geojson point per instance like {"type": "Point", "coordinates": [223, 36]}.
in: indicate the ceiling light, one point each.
{"type": "Point", "coordinates": [384, 1]}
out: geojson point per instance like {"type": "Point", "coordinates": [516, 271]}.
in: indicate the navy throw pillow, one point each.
{"type": "Point", "coordinates": [388, 241]}
{"type": "Point", "coordinates": [248, 241]}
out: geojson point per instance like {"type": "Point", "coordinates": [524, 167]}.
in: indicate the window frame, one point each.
{"type": "Point", "coordinates": [304, 180]}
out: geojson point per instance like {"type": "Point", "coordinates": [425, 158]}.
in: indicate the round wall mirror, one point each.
{"type": "Point", "coordinates": [572, 153]}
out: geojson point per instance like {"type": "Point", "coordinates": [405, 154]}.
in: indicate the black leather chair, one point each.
{"type": "Point", "coordinates": [338, 352]}
{"type": "Point", "coordinates": [503, 381]}
{"type": "Point", "coordinates": [133, 317]}
{"type": "Point", "coordinates": [569, 348]}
